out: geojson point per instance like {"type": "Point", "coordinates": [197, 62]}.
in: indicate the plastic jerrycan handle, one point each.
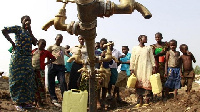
{"type": "Point", "coordinates": [75, 90]}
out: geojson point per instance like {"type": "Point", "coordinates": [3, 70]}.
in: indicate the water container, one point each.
{"type": "Point", "coordinates": [75, 101]}
{"type": "Point", "coordinates": [131, 81]}
{"type": "Point", "coordinates": [161, 58]}
{"type": "Point", "coordinates": [156, 83]}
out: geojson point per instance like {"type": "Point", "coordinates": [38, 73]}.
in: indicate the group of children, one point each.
{"type": "Point", "coordinates": [175, 70]}
{"type": "Point", "coordinates": [27, 67]}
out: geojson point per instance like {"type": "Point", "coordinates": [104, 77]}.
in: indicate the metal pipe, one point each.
{"type": "Point", "coordinates": [84, 1]}
{"type": "Point", "coordinates": [128, 6]}
{"type": "Point", "coordinates": [76, 58]}
{"type": "Point", "coordinates": [125, 7]}
{"type": "Point", "coordinates": [108, 55]}
{"type": "Point", "coordinates": [143, 10]}
{"type": "Point", "coordinates": [59, 21]}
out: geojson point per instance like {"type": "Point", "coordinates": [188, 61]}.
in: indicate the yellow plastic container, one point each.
{"type": "Point", "coordinates": [75, 101]}
{"type": "Point", "coordinates": [131, 81]}
{"type": "Point", "coordinates": [156, 83]}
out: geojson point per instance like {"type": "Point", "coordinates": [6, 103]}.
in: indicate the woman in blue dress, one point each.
{"type": "Point", "coordinates": [21, 77]}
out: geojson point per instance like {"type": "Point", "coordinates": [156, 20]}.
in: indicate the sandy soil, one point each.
{"type": "Point", "coordinates": [184, 103]}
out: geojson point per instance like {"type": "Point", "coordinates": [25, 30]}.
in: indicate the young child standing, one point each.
{"type": "Point", "coordinates": [142, 64]}
{"type": "Point", "coordinates": [159, 50]}
{"type": "Point", "coordinates": [186, 64]}
{"type": "Point", "coordinates": [124, 73]}
{"type": "Point", "coordinates": [68, 65]}
{"type": "Point", "coordinates": [172, 69]}
{"type": "Point", "coordinates": [38, 62]}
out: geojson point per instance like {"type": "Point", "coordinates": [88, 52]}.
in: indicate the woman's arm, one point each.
{"type": "Point", "coordinates": [5, 33]}
{"type": "Point", "coordinates": [34, 40]}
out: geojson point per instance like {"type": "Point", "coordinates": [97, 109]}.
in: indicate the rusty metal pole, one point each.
{"type": "Point", "coordinates": [88, 22]}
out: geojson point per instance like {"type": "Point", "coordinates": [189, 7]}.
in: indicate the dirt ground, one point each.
{"type": "Point", "coordinates": [184, 103]}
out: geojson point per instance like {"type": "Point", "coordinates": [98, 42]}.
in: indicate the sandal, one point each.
{"type": "Point", "coordinates": [19, 108]}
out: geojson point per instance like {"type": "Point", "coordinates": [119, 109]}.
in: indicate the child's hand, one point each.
{"type": "Point", "coordinates": [46, 63]}
{"type": "Point", "coordinates": [181, 75]}
{"type": "Point", "coordinates": [103, 54]}
{"type": "Point", "coordinates": [154, 70]}
{"type": "Point", "coordinates": [131, 71]}
{"type": "Point", "coordinates": [120, 62]}
{"type": "Point", "coordinates": [165, 75]}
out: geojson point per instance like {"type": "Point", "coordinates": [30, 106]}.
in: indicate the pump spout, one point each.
{"type": "Point", "coordinates": [76, 57]}
{"type": "Point", "coordinates": [59, 21]}
{"type": "Point", "coordinates": [127, 7]}
{"type": "Point", "coordinates": [108, 55]}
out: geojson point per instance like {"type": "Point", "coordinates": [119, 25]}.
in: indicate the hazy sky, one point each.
{"type": "Point", "coordinates": [175, 19]}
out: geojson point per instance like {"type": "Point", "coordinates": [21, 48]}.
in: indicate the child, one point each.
{"type": "Point", "coordinates": [56, 69]}
{"type": "Point", "coordinates": [159, 49]}
{"type": "Point", "coordinates": [97, 45]}
{"type": "Point", "coordinates": [124, 73]}
{"type": "Point", "coordinates": [113, 69]}
{"type": "Point", "coordinates": [186, 64]}
{"type": "Point", "coordinates": [101, 52]}
{"type": "Point", "coordinates": [20, 68]}
{"type": "Point", "coordinates": [172, 69]}
{"type": "Point", "coordinates": [68, 65]}
{"type": "Point", "coordinates": [39, 55]}
{"type": "Point", "coordinates": [142, 64]}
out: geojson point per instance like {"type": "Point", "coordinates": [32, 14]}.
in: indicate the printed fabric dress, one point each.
{"type": "Point", "coordinates": [21, 78]}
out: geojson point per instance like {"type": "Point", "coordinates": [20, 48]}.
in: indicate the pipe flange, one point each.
{"type": "Point", "coordinates": [88, 26]}
{"type": "Point", "coordinates": [70, 28]}
{"type": "Point", "coordinates": [101, 9]}
{"type": "Point", "coordinates": [108, 9]}
{"type": "Point", "coordinates": [84, 1]}
{"type": "Point", "coordinates": [75, 28]}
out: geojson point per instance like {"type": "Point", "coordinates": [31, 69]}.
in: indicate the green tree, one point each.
{"type": "Point", "coordinates": [197, 70]}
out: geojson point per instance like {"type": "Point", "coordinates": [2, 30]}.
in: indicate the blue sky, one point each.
{"type": "Point", "coordinates": [175, 19]}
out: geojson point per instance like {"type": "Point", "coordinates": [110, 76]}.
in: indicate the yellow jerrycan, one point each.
{"type": "Point", "coordinates": [131, 81]}
{"type": "Point", "coordinates": [75, 101]}
{"type": "Point", "coordinates": [156, 83]}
